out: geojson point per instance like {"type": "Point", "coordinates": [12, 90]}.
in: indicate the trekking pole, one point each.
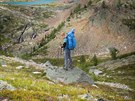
{"type": "Point", "coordinates": [59, 50]}
{"type": "Point", "coordinates": [58, 53]}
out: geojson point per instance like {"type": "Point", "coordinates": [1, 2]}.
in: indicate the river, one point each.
{"type": "Point", "coordinates": [35, 2]}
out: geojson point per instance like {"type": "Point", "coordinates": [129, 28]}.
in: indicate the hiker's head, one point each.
{"type": "Point", "coordinates": [63, 34]}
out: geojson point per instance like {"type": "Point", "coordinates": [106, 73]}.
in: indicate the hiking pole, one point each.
{"type": "Point", "coordinates": [58, 53]}
{"type": "Point", "coordinates": [61, 49]}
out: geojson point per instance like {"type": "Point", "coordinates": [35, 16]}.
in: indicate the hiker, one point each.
{"type": "Point", "coordinates": [68, 45]}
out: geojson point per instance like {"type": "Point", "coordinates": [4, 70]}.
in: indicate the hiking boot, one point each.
{"type": "Point", "coordinates": [71, 67]}
{"type": "Point", "coordinates": [65, 69]}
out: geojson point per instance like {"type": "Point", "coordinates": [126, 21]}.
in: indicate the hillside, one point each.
{"type": "Point", "coordinates": [29, 27]}
{"type": "Point", "coordinates": [99, 27]}
{"type": "Point", "coordinates": [31, 61]}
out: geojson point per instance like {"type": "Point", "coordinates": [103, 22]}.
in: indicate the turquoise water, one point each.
{"type": "Point", "coordinates": [36, 2]}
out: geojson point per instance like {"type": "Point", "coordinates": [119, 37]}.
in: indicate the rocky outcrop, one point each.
{"type": "Point", "coordinates": [75, 75]}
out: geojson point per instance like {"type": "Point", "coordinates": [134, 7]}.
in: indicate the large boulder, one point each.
{"type": "Point", "coordinates": [74, 75]}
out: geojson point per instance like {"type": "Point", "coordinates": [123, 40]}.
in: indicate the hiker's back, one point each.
{"type": "Point", "coordinates": [71, 40]}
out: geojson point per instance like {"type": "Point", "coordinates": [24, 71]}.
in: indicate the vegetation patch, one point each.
{"type": "Point", "coordinates": [42, 47]}
{"type": "Point", "coordinates": [39, 88]}
{"type": "Point", "coordinates": [130, 23]}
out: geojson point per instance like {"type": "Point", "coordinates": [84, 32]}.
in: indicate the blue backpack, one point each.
{"type": "Point", "coordinates": [71, 40]}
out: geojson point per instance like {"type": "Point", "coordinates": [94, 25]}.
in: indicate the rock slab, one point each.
{"type": "Point", "coordinates": [74, 75]}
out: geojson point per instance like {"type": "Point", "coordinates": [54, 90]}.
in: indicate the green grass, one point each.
{"type": "Point", "coordinates": [32, 87]}
{"type": "Point", "coordinates": [36, 87]}
{"type": "Point", "coordinates": [23, 95]}
{"type": "Point", "coordinates": [124, 75]}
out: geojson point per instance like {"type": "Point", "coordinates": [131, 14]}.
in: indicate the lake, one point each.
{"type": "Point", "coordinates": [36, 2]}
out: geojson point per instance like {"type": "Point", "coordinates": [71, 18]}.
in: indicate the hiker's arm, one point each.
{"type": "Point", "coordinates": [64, 45]}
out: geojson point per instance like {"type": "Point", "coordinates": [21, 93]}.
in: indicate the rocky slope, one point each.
{"type": "Point", "coordinates": [17, 26]}
{"type": "Point", "coordinates": [36, 31]}
{"type": "Point", "coordinates": [100, 26]}
{"type": "Point", "coordinates": [30, 24]}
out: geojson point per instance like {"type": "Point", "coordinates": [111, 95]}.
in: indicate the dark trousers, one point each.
{"type": "Point", "coordinates": [67, 59]}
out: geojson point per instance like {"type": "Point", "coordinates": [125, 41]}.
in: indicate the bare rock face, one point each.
{"type": "Point", "coordinates": [74, 75]}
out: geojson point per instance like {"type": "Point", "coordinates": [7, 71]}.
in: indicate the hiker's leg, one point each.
{"type": "Point", "coordinates": [66, 59]}
{"type": "Point", "coordinates": [70, 59]}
